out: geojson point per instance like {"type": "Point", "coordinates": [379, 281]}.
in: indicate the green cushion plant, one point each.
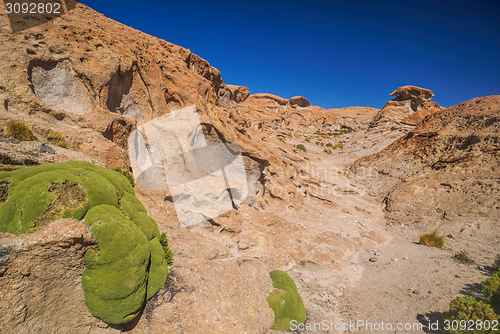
{"type": "Point", "coordinates": [130, 265]}
{"type": "Point", "coordinates": [285, 301]}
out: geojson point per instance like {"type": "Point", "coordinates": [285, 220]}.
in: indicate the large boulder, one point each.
{"type": "Point", "coordinates": [39, 280]}
{"type": "Point", "coordinates": [299, 101]}
{"type": "Point", "coordinates": [409, 107]}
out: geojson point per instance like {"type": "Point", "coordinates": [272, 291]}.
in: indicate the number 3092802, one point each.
{"type": "Point", "coordinates": [33, 8]}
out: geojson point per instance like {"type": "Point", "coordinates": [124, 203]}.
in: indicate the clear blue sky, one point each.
{"type": "Point", "coordinates": [335, 53]}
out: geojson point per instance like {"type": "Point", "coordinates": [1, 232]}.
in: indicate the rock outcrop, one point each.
{"type": "Point", "coordinates": [444, 173]}
{"type": "Point", "coordinates": [40, 286]}
{"type": "Point", "coordinates": [409, 107]}
{"type": "Point", "coordinates": [299, 101]}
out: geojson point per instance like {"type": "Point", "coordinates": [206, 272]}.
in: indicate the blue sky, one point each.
{"type": "Point", "coordinates": [334, 53]}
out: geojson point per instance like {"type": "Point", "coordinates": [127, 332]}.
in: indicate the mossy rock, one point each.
{"type": "Point", "coordinates": [129, 267]}
{"type": "Point", "coordinates": [285, 301]}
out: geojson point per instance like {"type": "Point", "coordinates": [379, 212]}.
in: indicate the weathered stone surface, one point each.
{"type": "Point", "coordinates": [410, 106]}
{"type": "Point", "coordinates": [203, 68]}
{"type": "Point", "coordinates": [238, 93]}
{"type": "Point", "coordinates": [57, 85]}
{"type": "Point", "coordinates": [412, 92]}
{"type": "Point", "coordinates": [299, 101]}
{"type": "Point", "coordinates": [40, 287]}
{"type": "Point", "coordinates": [445, 171]}
{"type": "Point", "coordinates": [263, 96]}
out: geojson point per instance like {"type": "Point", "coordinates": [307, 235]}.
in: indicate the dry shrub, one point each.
{"type": "Point", "coordinates": [19, 130]}
{"type": "Point", "coordinates": [432, 239]}
{"type": "Point", "coordinates": [57, 139]}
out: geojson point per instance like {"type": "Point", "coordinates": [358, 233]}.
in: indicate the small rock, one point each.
{"type": "Point", "coordinates": [480, 267]}
{"type": "Point", "coordinates": [373, 259]}
{"type": "Point", "coordinates": [46, 149]}
{"type": "Point", "coordinates": [167, 296]}
{"type": "Point", "coordinates": [416, 292]}
{"type": "Point", "coordinates": [450, 236]}
{"type": "Point", "coordinates": [394, 259]}
{"type": "Point", "coordinates": [457, 276]}
{"type": "Point", "coordinates": [405, 258]}
{"type": "Point", "coordinates": [242, 246]}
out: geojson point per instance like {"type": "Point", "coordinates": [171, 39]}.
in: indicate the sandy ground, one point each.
{"type": "Point", "coordinates": [410, 283]}
{"type": "Point", "coordinates": [410, 286]}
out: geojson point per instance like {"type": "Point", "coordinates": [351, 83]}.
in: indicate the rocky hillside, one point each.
{"type": "Point", "coordinates": [444, 173]}
{"type": "Point", "coordinates": [83, 83]}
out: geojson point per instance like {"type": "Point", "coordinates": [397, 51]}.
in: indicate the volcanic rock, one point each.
{"type": "Point", "coordinates": [409, 107]}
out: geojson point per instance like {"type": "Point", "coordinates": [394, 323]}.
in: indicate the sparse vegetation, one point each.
{"type": "Point", "coordinates": [306, 261]}
{"type": "Point", "coordinates": [463, 309]}
{"type": "Point", "coordinates": [127, 174]}
{"type": "Point", "coordinates": [466, 309]}
{"type": "Point", "coordinates": [497, 262]}
{"type": "Point", "coordinates": [282, 140]}
{"type": "Point", "coordinates": [301, 147]}
{"type": "Point", "coordinates": [463, 257]}
{"type": "Point", "coordinates": [19, 130]}
{"type": "Point", "coordinates": [491, 291]}
{"type": "Point", "coordinates": [328, 151]}
{"type": "Point", "coordinates": [308, 139]}
{"type": "Point", "coordinates": [169, 255]}
{"type": "Point", "coordinates": [432, 239]}
{"type": "Point", "coordinates": [338, 145]}
{"type": "Point", "coordinates": [317, 142]}
{"type": "Point", "coordinates": [57, 138]}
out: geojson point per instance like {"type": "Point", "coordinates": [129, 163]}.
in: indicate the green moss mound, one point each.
{"type": "Point", "coordinates": [130, 265]}
{"type": "Point", "coordinates": [285, 301]}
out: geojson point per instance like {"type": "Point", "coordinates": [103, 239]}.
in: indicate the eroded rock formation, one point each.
{"type": "Point", "coordinates": [444, 173]}
{"type": "Point", "coordinates": [409, 107]}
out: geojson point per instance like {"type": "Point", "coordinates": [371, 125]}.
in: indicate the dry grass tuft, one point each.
{"type": "Point", "coordinates": [57, 138]}
{"type": "Point", "coordinates": [19, 130]}
{"type": "Point", "coordinates": [432, 239]}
